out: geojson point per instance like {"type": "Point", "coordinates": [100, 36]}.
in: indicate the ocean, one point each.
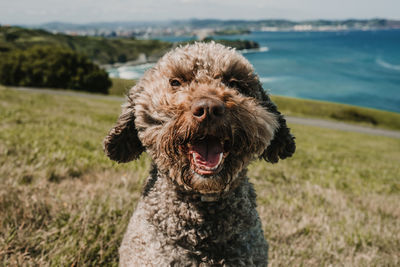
{"type": "Point", "coordinates": [352, 67]}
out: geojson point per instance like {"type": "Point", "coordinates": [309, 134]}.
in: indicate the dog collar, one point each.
{"type": "Point", "coordinates": [209, 198]}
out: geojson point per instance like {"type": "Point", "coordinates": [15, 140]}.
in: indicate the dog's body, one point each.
{"type": "Point", "coordinates": [202, 116]}
{"type": "Point", "coordinates": [169, 228]}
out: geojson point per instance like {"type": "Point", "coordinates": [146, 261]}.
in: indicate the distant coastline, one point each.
{"type": "Point", "coordinates": [212, 27]}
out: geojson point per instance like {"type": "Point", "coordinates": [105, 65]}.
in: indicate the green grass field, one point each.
{"type": "Point", "coordinates": [64, 203]}
{"type": "Point", "coordinates": [120, 86]}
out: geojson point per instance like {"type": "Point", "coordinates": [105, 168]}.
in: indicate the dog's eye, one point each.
{"type": "Point", "coordinates": [233, 83]}
{"type": "Point", "coordinates": [175, 82]}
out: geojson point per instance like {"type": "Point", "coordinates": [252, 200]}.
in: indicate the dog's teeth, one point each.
{"type": "Point", "coordinates": [221, 155]}
{"type": "Point", "coordinates": [194, 157]}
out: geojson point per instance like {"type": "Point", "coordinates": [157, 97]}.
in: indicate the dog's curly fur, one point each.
{"type": "Point", "coordinates": [200, 97]}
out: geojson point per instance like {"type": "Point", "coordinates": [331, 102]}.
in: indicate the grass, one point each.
{"type": "Point", "coordinates": [120, 86]}
{"type": "Point", "coordinates": [334, 203]}
{"type": "Point", "coordinates": [63, 203]}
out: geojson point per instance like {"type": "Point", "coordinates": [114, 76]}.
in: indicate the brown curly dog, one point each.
{"type": "Point", "coordinates": [202, 116]}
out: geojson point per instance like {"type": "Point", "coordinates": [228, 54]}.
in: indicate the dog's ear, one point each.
{"type": "Point", "coordinates": [282, 144]}
{"type": "Point", "coordinates": [122, 143]}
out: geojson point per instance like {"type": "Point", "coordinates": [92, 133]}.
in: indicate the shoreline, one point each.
{"type": "Point", "coordinates": [141, 60]}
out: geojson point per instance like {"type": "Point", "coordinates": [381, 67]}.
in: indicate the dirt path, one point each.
{"type": "Point", "coordinates": [295, 120]}
{"type": "Point", "coordinates": [343, 126]}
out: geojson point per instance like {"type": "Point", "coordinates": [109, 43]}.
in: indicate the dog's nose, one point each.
{"type": "Point", "coordinates": [207, 108]}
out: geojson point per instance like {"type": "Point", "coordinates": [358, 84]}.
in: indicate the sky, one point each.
{"type": "Point", "coordinates": [25, 12]}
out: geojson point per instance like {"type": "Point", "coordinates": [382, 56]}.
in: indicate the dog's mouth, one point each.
{"type": "Point", "coordinates": [207, 155]}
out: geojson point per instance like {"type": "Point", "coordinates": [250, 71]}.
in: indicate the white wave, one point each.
{"type": "Point", "coordinates": [113, 74]}
{"type": "Point", "coordinates": [127, 67]}
{"type": "Point", "coordinates": [144, 66]}
{"type": "Point", "coordinates": [129, 74]}
{"type": "Point", "coordinates": [123, 68]}
{"type": "Point", "coordinates": [254, 50]}
{"type": "Point", "coordinates": [387, 65]}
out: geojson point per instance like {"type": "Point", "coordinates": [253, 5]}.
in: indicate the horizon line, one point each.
{"type": "Point", "coordinates": [197, 19]}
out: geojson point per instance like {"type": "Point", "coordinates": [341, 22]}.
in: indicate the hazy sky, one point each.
{"type": "Point", "coordinates": [83, 11]}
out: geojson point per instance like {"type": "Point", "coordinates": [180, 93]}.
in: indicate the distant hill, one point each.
{"type": "Point", "coordinates": [99, 49]}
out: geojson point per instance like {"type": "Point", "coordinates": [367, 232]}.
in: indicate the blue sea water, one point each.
{"type": "Point", "coordinates": [353, 67]}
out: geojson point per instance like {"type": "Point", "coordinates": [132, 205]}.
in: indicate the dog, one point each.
{"type": "Point", "coordinates": [202, 115]}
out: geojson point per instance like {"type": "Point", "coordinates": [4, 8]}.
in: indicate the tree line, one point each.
{"type": "Point", "coordinates": [52, 67]}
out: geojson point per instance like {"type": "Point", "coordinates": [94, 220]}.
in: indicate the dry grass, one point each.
{"type": "Point", "coordinates": [120, 87]}
{"type": "Point", "coordinates": [334, 203]}
{"type": "Point", "coordinates": [63, 203]}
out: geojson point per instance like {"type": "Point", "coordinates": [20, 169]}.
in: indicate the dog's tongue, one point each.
{"type": "Point", "coordinates": [207, 151]}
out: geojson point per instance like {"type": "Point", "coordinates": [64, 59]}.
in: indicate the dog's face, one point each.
{"type": "Point", "coordinates": [202, 115]}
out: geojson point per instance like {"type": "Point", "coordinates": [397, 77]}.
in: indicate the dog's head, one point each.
{"type": "Point", "coordinates": [202, 115]}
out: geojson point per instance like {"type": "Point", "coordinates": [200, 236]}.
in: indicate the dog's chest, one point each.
{"type": "Point", "coordinates": [198, 223]}
{"type": "Point", "coordinates": [212, 228]}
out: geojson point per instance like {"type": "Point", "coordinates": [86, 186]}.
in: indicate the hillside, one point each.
{"type": "Point", "coordinates": [99, 49]}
